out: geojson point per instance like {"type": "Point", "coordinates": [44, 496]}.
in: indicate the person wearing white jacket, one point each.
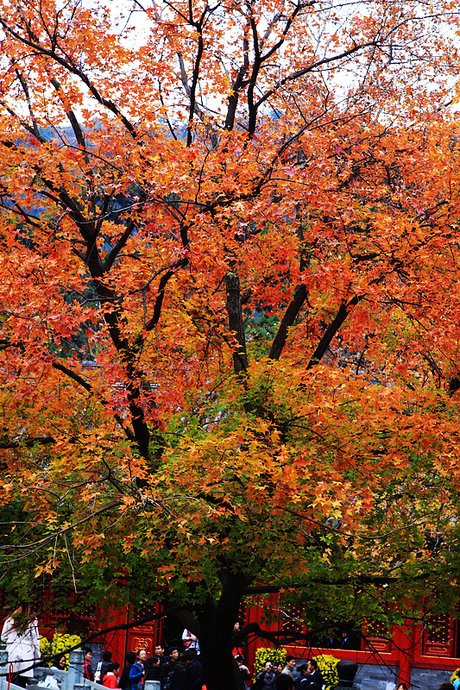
{"type": "Point", "coordinates": [20, 634]}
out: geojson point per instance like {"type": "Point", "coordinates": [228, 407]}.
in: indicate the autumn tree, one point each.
{"type": "Point", "coordinates": [230, 305]}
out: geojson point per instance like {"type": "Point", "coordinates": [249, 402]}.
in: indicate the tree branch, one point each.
{"type": "Point", "coordinates": [28, 442]}
{"type": "Point", "coordinates": [289, 317]}
{"type": "Point", "coordinates": [73, 69]}
{"type": "Point", "coordinates": [332, 330]}
{"type": "Point", "coordinates": [310, 68]}
{"type": "Point", "coordinates": [87, 386]}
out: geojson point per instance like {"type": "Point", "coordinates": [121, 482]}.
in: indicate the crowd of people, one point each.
{"type": "Point", "coordinates": [180, 669]}
{"type": "Point", "coordinates": [289, 677]}
{"type": "Point", "coordinates": [176, 670]}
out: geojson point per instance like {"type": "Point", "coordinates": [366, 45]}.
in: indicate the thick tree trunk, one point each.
{"type": "Point", "coordinates": [236, 321]}
{"type": "Point", "coordinates": [216, 633]}
{"type": "Point", "coordinates": [220, 669]}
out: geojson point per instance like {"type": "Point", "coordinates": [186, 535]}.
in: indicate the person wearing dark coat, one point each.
{"type": "Point", "coordinates": [175, 678]}
{"type": "Point", "coordinates": [284, 681]}
{"type": "Point", "coordinates": [280, 682]}
{"type": "Point", "coordinates": [265, 680]}
{"type": "Point", "coordinates": [345, 640]}
{"type": "Point", "coordinates": [303, 681]}
{"type": "Point", "coordinates": [152, 668]}
{"type": "Point", "coordinates": [124, 681]}
{"type": "Point", "coordinates": [193, 670]}
{"type": "Point", "coordinates": [101, 668]}
{"type": "Point", "coordinates": [156, 665]}
{"type": "Point", "coordinates": [314, 676]}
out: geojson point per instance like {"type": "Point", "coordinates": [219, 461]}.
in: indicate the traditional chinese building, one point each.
{"type": "Point", "coordinates": [420, 655]}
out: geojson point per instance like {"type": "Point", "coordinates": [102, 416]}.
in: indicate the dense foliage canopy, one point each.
{"type": "Point", "coordinates": [230, 303]}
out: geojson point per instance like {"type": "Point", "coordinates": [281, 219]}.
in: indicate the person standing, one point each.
{"type": "Point", "coordinates": [137, 673]}
{"type": "Point", "coordinates": [265, 680]}
{"type": "Point", "coordinates": [193, 670]}
{"type": "Point", "coordinates": [303, 682]}
{"type": "Point", "coordinates": [102, 665]}
{"type": "Point", "coordinates": [345, 641]}
{"type": "Point", "coordinates": [110, 678]}
{"type": "Point", "coordinates": [244, 671]}
{"type": "Point", "coordinates": [88, 672]}
{"type": "Point", "coordinates": [239, 644]}
{"type": "Point", "coordinates": [190, 641]}
{"type": "Point", "coordinates": [20, 635]}
{"type": "Point", "coordinates": [289, 666]}
{"type": "Point", "coordinates": [315, 677]}
{"type": "Point", "coordinates": [124, 681]}
{"type": "Point", "coordinates": [156, 666]}
{"type": "Point", "coordinates": [168, 666]}
{"type": "Point", "coordinates": [284, 681]}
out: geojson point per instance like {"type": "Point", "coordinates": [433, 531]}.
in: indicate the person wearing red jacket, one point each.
{"type": "Point", "coordinates": [88, 672]}
{"type": "Point", "coordinates": [110, 680]}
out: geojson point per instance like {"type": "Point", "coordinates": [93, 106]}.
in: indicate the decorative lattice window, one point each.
{"type": "Point", "coordinates": [438, 636]}
{"type": "Point", "coordinates": [376, 636]}
{"type": "Point", "coordinates": [291, 618]}
{"type": "Point", "coordinates": [438, 629]}
{"type": "Point", "coordinates": [376, 629]}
